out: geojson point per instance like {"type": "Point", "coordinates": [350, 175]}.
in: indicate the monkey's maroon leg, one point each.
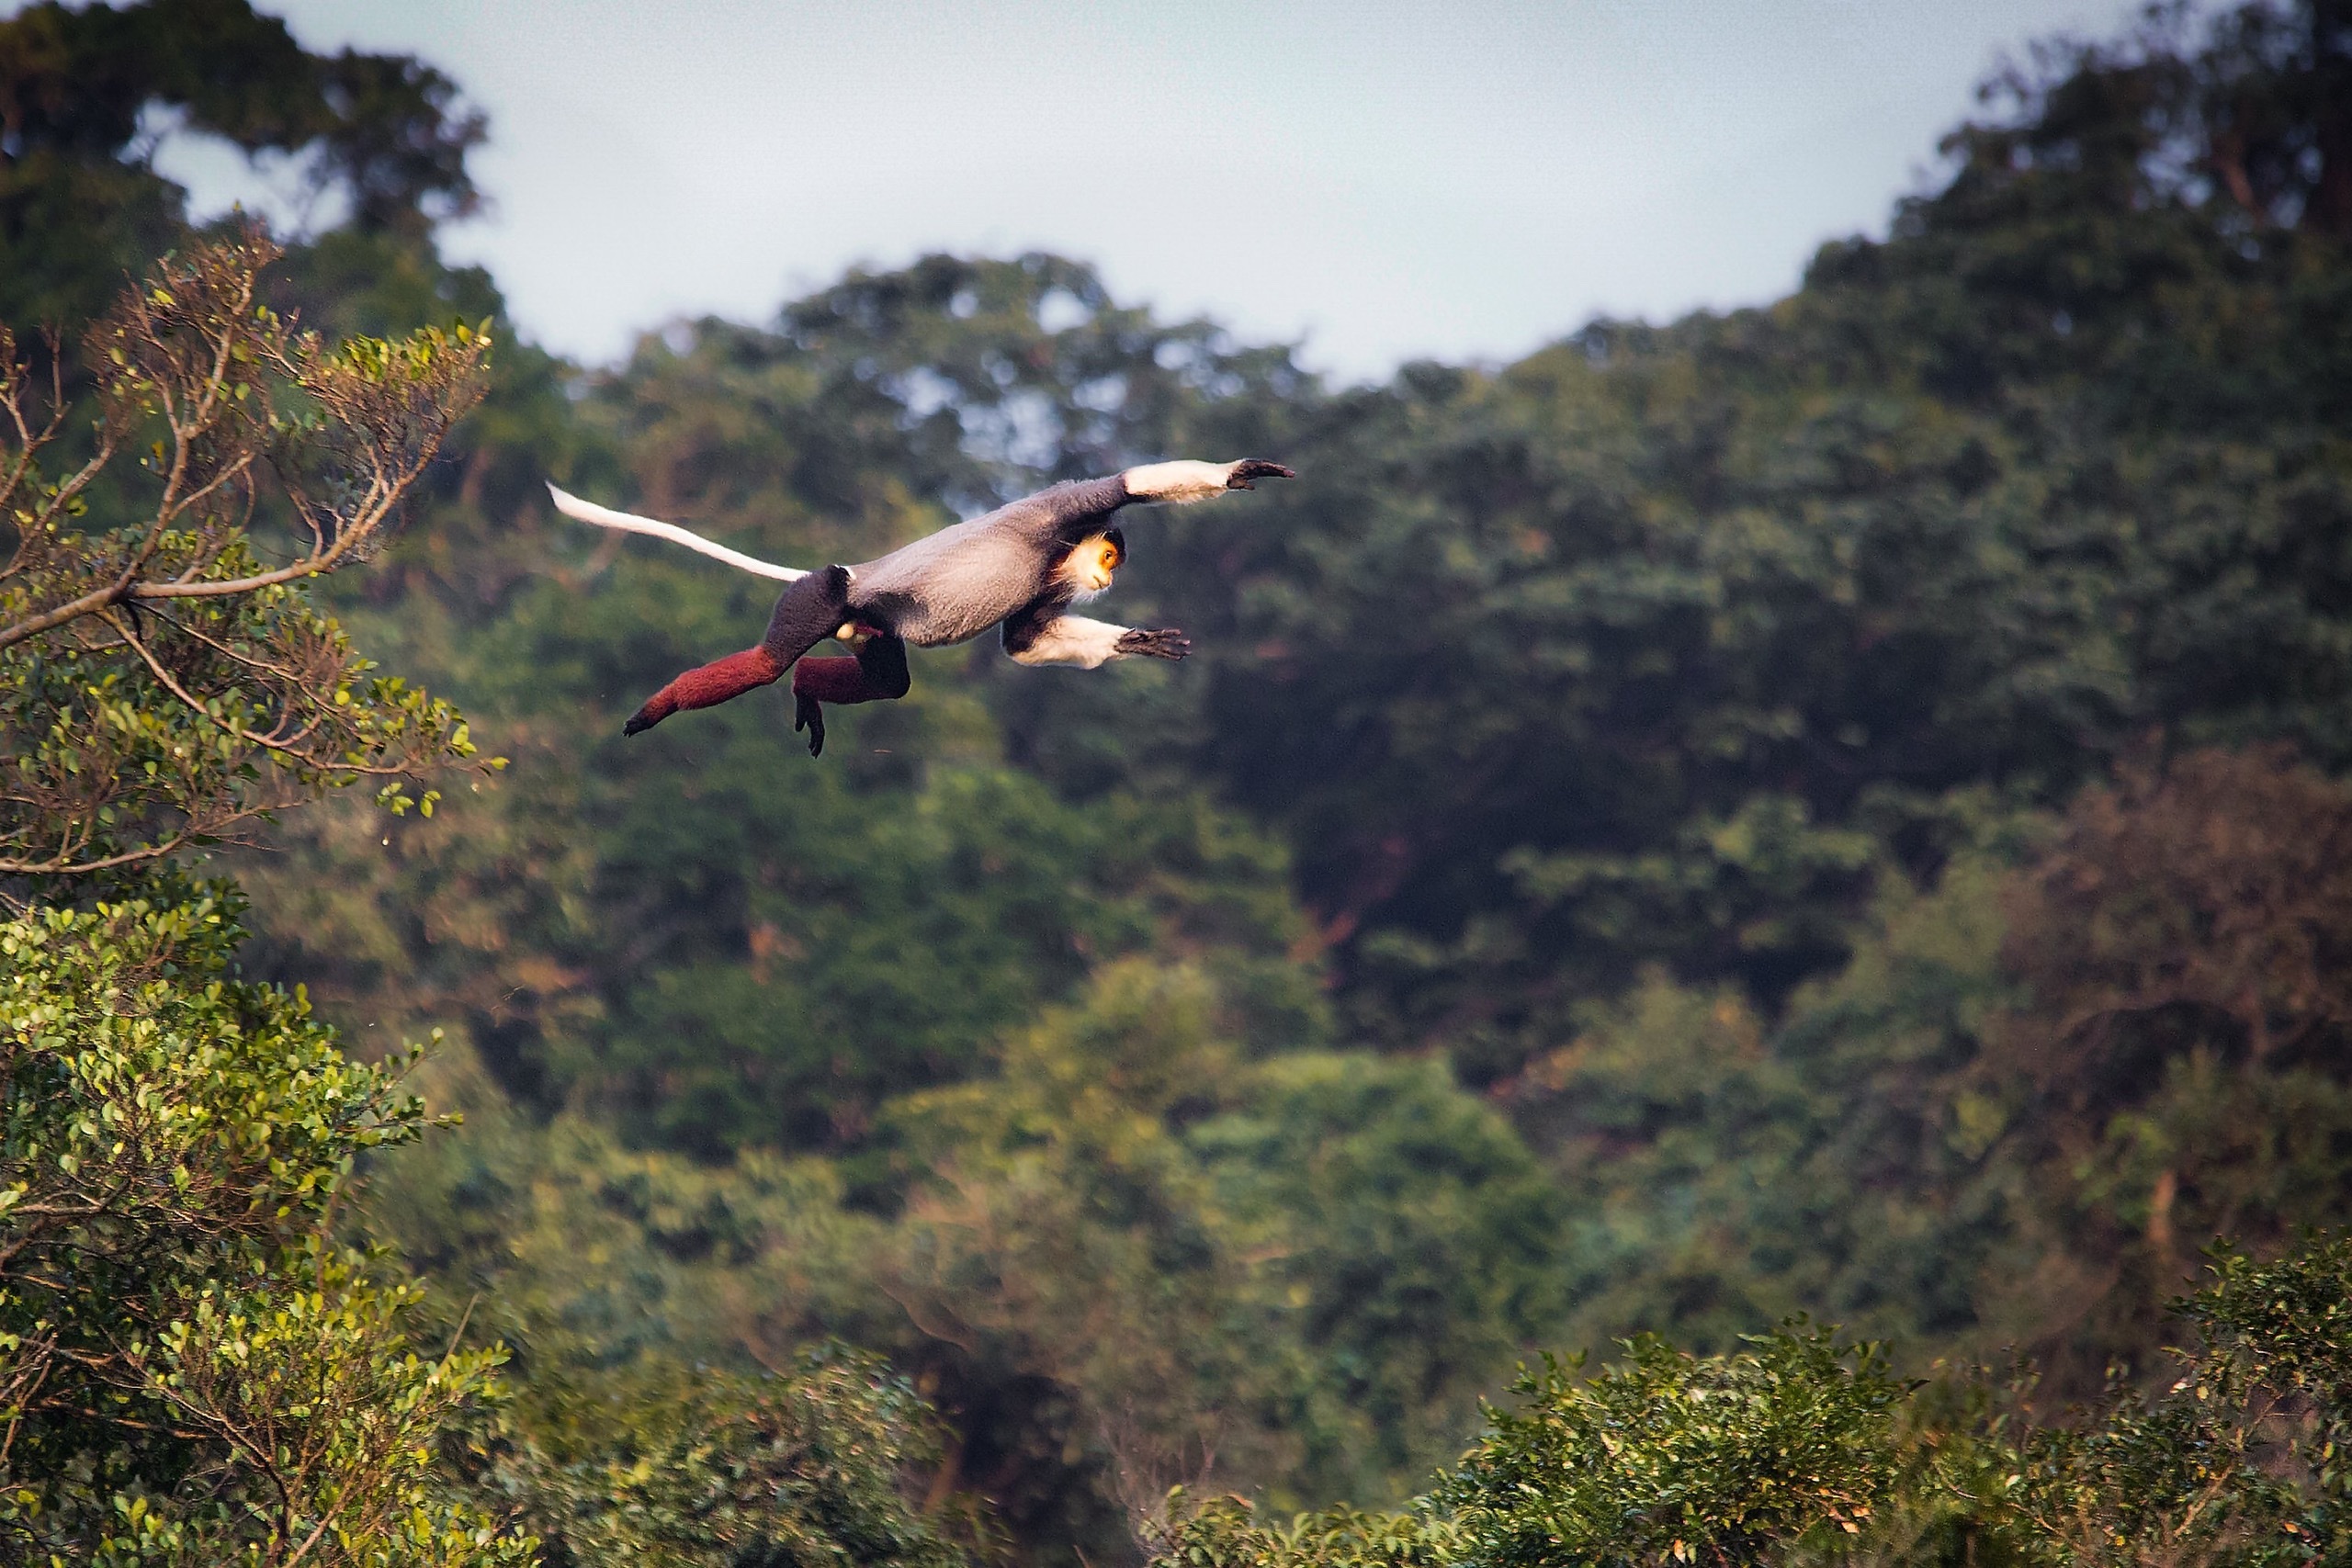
{"type": "Point", "coordinates": [879, 675]}
{"type": "Point", "coordinates": [806, 614]}
{"type": "Point", "coordinates": [707, 685]}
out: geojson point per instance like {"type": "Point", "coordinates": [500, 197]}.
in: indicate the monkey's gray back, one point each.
{"type": "Point", "coordinates": [952, 585]}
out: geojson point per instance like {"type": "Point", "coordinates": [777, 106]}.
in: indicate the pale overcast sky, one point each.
{"type": "Point", "coordinates": [1386, 179]}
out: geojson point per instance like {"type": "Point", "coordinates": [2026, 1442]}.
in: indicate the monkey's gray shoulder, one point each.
{"type": "Point", "coordinates": [1074, 507]}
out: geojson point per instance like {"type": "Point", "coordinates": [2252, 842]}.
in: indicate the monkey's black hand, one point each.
{"type": "Point", "coordinates": [809, 714]}
{"type": "Point", "coordinates": [1255, 469]}
{"type": "Point", "coordinates": [1168, 642]}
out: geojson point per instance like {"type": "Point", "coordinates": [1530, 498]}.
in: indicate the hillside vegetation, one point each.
{"type": "Point", "coordinates": [1832, 813]}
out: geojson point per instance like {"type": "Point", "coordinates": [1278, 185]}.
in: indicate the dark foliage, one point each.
{"type": "Point", "coordinates": [1854, 785]}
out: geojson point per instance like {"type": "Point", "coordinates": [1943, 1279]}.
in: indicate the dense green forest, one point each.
{"type": "Point", "coordinates": [1832, 813]}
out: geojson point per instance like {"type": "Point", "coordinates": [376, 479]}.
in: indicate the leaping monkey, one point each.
{"type": "Point", "coordinates": [1021, 568]}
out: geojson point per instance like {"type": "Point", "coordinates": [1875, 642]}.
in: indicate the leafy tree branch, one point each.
{"type": "Point", "coordinates": [165, 681]}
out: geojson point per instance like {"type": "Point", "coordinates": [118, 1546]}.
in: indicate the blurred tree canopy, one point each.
{"type": "Point", "coordinates": [86, 92]}
{"type": "Point", "coordinates": [1835, 807]}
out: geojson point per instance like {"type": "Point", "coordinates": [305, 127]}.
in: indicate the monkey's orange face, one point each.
{"type": "Point", "coordinates": [1092, 561]}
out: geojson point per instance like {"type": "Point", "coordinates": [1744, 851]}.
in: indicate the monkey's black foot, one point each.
{"type": "Point", "coordinates": [1255, 469]}
{"type": "Point", "coordinates": [638, 724]}
{"type": "Point", "coordinates": [809, 714]}
{"type": "Point", "coordinates": [1168, 642]}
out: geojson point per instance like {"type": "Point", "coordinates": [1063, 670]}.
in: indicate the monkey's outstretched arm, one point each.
{"type": "Point", "coordinates": [1186, 481]}
{"type": "Point", "coordinates": [1078, 509]}
{"type": "Point", "coordinates": [1090, 645]}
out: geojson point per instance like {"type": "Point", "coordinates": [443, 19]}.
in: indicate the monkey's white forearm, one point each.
{"type": "Point", "coordinates": [1074, 639]}
{"type": "Point", "coordinates": [629, 522]}
{"type": "Point", "coordinates": [1180, 483]}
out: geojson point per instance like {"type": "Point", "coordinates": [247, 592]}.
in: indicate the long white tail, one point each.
{"type": "Point", "coordinates": [629, 522]}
